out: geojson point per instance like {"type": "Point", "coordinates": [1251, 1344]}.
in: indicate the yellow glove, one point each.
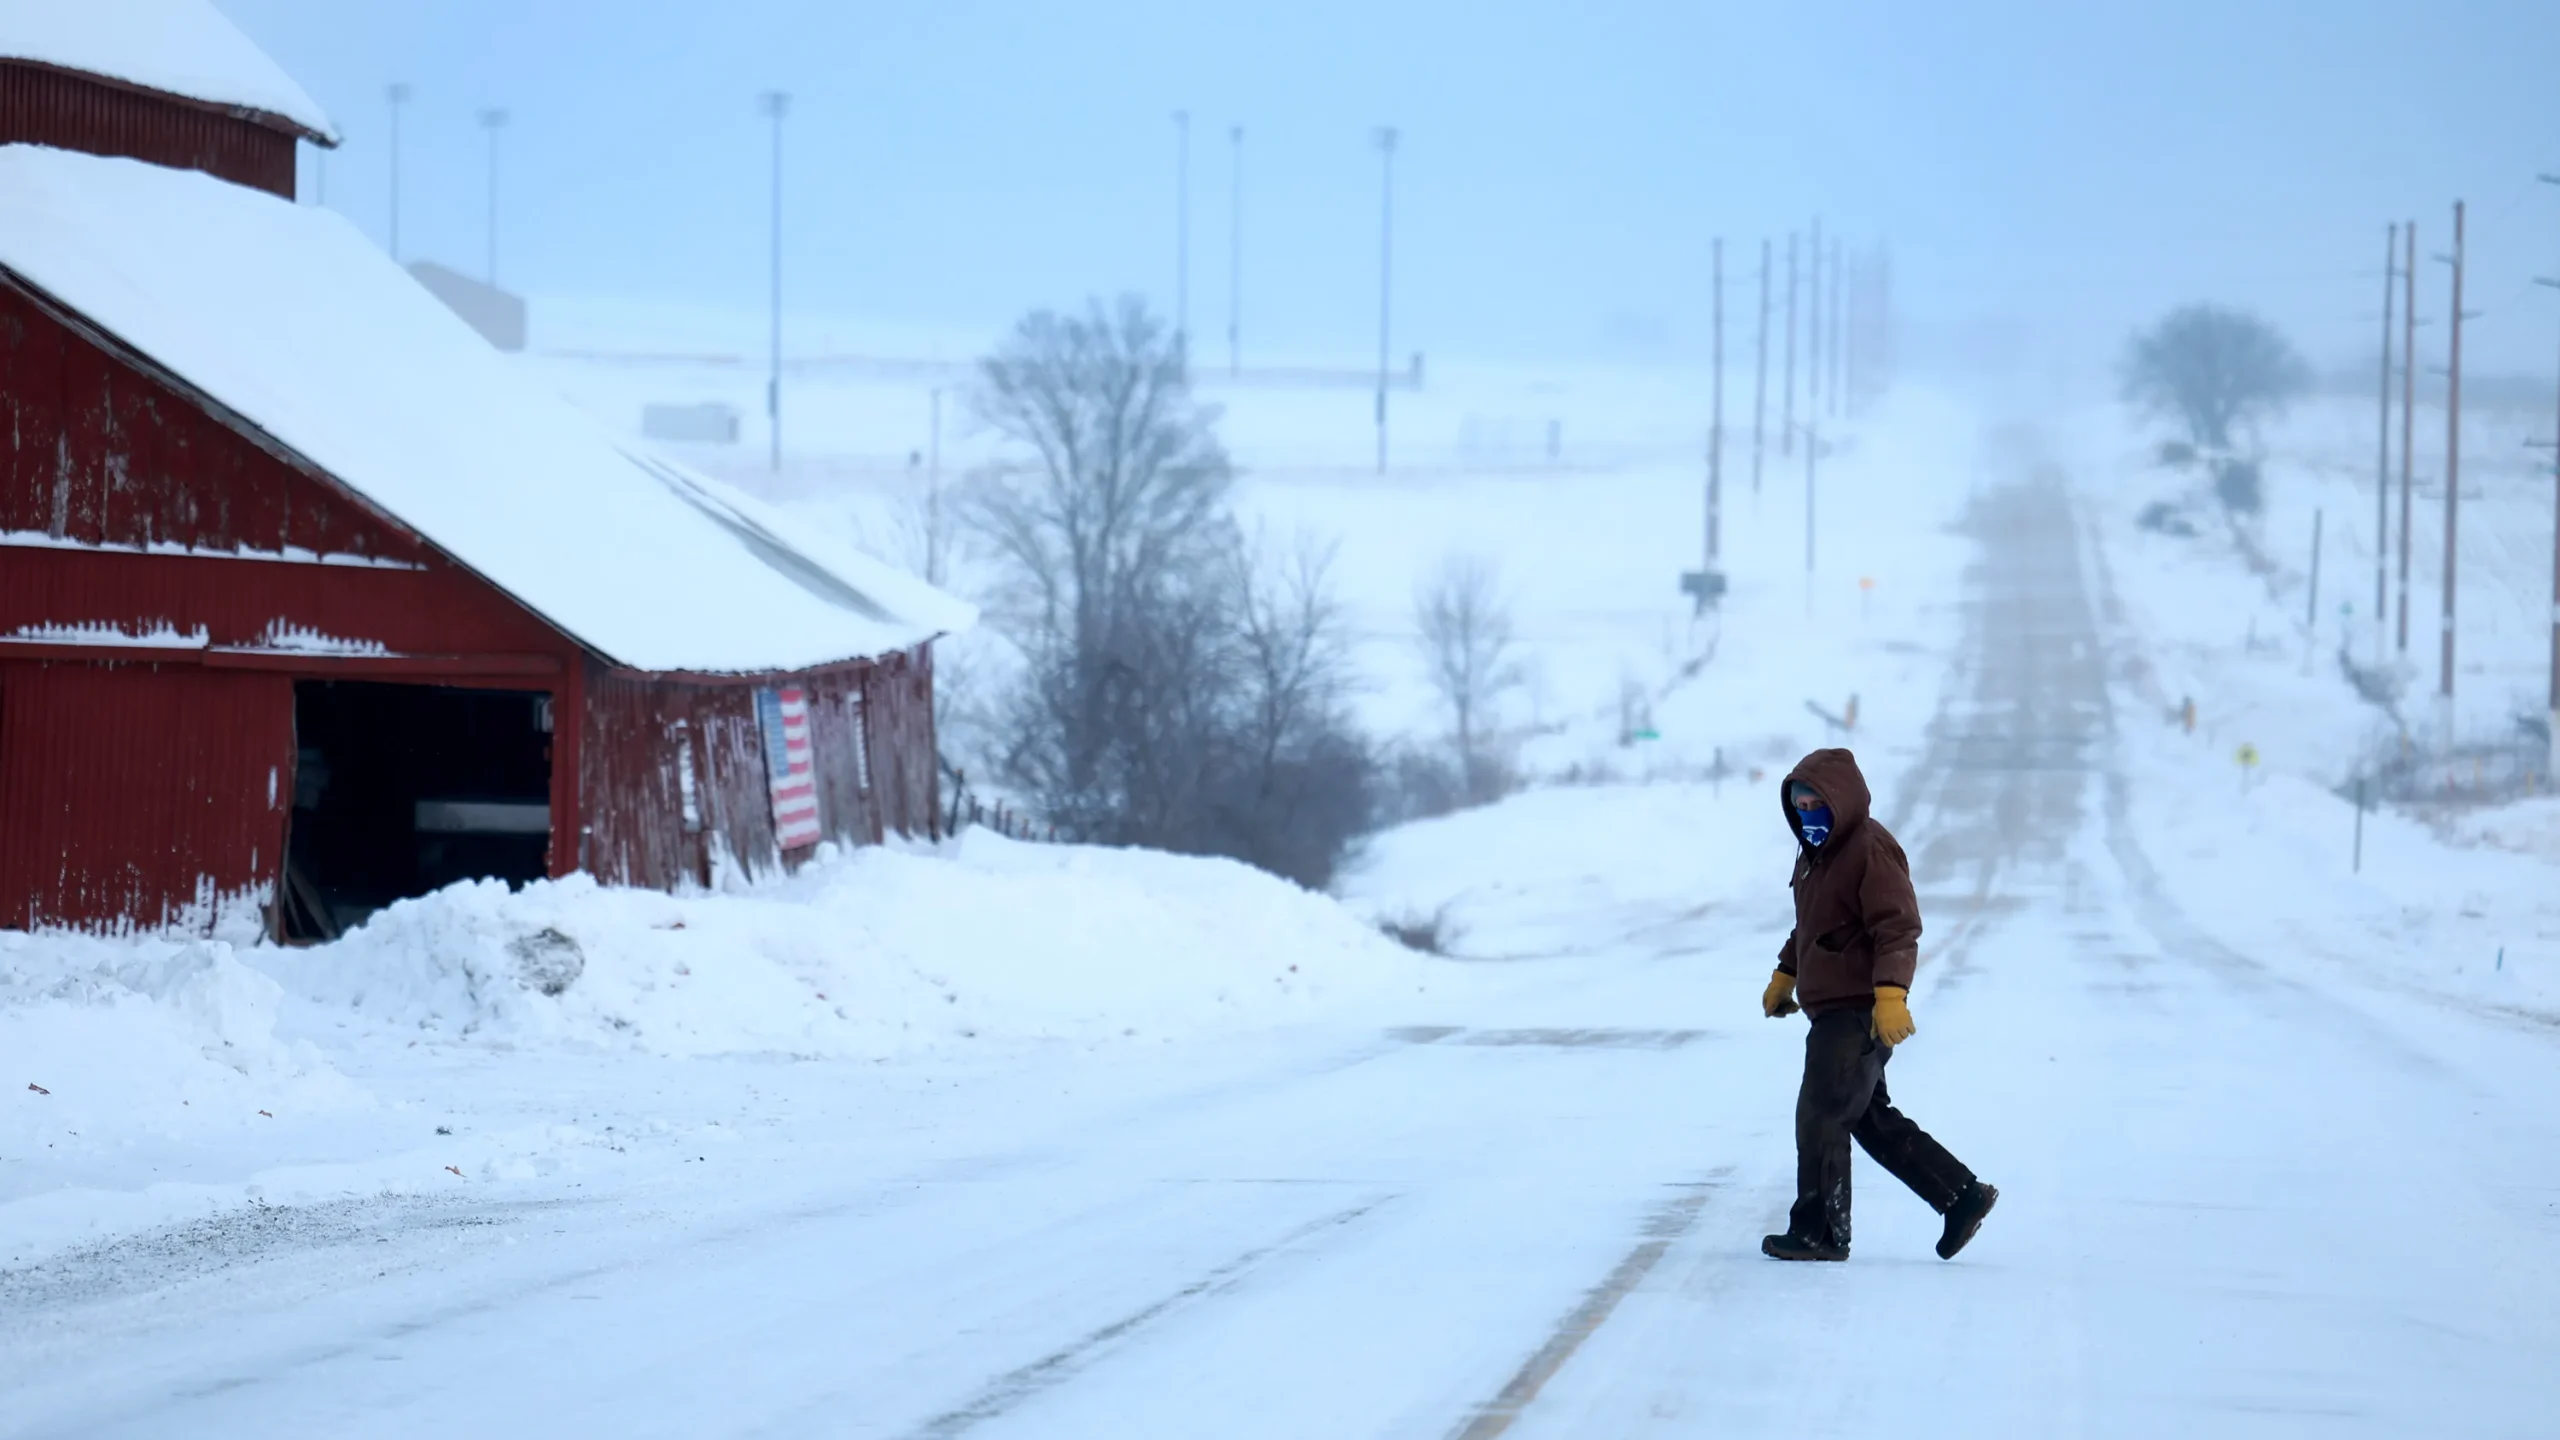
{"type": "Point", "coordinates": [1892, 1022]}
{"type": "Point", "coordinates": [1780, 998]}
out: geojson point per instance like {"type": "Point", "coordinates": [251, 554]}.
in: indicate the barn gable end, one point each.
{"type": "Point", "coordinates": [47, 105]}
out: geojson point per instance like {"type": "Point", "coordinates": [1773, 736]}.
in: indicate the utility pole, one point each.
{"type": "Point", "coordinates": [2408, 408]}
{"type": "Point", "coordinates": [1887, 355]}
{"type": "Point", "coordinates": [776, 104]}
{"type": "Point", "coordinates": [1715, 425]}
{"type": "Point", "coordinates": [2452, 458]}
{"type": "Point", "coordinates": [1182, 238]}
{"type": "Point", "coordinates": [1235, 256]}
{"type": "Point", "coordinates": [1386, 256]}
{"type": "Point", "coordinates": [2382, 463]}
{"type": "Point", "coordinates": [1812, 444]}
{"type": "Point", "coordinates": [1787, 401]}
{"type": "Point", "coordinates": [1760, 382]}
{"type": "Point", "coordinates": [493, 121]}
{"type": "Point", "coordinates": [2552, 712]}
{"type": "Point", "coordinates": [1813, 324]}
{"type": "Point", "coordinates": [933, 538]}
{"type": "Point", "coordinates": [399, 95]}
{"type": "Point", "coordinates": [1839, 328]}
{"type": "Point", "coordinates": [1853, 344]}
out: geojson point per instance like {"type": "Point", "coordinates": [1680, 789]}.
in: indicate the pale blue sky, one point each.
{"type": "Point", "coordinates": [2060, 170]}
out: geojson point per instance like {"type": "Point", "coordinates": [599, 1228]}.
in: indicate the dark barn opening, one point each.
{"type": "Point", "coordinates": [403, 789]}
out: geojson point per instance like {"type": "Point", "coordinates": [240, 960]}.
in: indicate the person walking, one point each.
{"type": "Point", "coordinates": [1848, 964]}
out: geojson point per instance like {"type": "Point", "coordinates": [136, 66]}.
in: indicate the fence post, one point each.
{"type": "Point", "coordinates": [2359, 863]}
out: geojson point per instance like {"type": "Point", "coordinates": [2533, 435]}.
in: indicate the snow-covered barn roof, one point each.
{"type": "Point", "coordinates": [291, 318]}
{"type": "Point", "coordinates": [178, 47]}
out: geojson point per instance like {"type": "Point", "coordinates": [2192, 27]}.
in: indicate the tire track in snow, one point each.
{"type": "Point", "coordinates": [1009, 1390]}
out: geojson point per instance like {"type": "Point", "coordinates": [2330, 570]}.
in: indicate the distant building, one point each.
{"type": "Point", "coordinates": [497, 315]}
{"type": "Point", "coordinates": [308, 602]}
{"type": "Point", "coordinates": [709, 423]}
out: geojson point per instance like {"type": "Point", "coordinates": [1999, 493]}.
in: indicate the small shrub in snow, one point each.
{"type": "Point", "coordinates": [1431, 934]}
{"type": "Point", "coordinates": [2163, 518]}
{"type": "Point", "coordinates": [2238, 484]}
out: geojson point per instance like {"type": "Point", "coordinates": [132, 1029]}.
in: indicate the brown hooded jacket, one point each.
{"type": "Point", "coordinates": [1857, 922]}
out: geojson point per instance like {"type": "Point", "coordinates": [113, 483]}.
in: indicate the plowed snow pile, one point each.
{"type": "Point", "coordinates": [147, 1036]}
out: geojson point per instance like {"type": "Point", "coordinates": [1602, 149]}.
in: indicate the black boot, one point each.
{"type": "Point", "coordinates": [1965, 1216]}
{"type": "Point", "coordinates": [1791, 1246]}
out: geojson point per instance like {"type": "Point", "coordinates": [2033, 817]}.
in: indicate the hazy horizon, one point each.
{"type": "Point", "coordinates": [2044, 181]}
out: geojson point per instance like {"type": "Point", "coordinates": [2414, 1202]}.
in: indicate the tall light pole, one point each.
{"type": "Point", "coordinates": [1235, 254]}
{"type": "Point", "coordinates": [1760, 381]}
{"type": "Point", "coordinates": [398, 95]}
{"type": "Point", "coordinates": [493, 121]}
{"type": "Point", "coordinates": [1182, 238]}
{"type": "Point", "coordinates": [775, 104]}
{"type": "Point", "coordinates": [1386, 138]}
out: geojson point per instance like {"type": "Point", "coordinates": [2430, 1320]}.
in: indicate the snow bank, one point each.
{"type": "Point", "coordinates": [867, 954]}
{"type": "Point", "coordinates": [112, 1038]}
{"type": "Point", "coordinates": [1577, 869]}
{"type": "Point", "coordinates": [180, 1080]}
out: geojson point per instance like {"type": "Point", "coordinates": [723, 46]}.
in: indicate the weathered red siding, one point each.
{"type": "Point", "coordinates": [97, 450]}
{"type": "Point", "coordinates": [898, 698]}
{"type": "Point", "coordinates": [130, 789]}
{"type": "Point", "coordinates": [248, 604]}
{"type": "Point", "coordinates": [40, 105]}
{"type": "Point", "coordinates": [633, 793]}
{"type": "Point", "coordinates": [140, 796]}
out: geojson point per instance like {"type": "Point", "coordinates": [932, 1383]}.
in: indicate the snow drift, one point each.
{"type": "Point", "coordinates": [866, 954]}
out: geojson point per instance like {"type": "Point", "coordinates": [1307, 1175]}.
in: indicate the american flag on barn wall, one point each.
{"type": "Point", "coordinates": [790, 768]}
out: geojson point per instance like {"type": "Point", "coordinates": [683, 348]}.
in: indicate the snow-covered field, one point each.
{"type": "Point", "coordinates": [1049, 1141]}
{"type": "Point", "coordinates": [2452, 893]}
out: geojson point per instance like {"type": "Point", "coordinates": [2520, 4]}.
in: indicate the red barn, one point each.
{"type": "Point", "coordinates": [309, 601]}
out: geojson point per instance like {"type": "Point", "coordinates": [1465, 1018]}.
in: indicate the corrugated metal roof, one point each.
{"type": "Point", "coordinates": [179, 47]}
{"type": "Point", "coordinates": [290, 318]}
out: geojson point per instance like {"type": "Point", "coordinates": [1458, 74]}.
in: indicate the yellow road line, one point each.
{"type": "Point", "coordinates": [1668, 1224]}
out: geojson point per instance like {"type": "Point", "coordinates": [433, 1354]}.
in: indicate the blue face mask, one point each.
{"type": "Point", "coordinates": [1815, 823]}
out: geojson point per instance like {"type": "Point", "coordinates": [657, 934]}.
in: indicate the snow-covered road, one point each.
{"type": "Point", "coordinates": [2243, 1193]}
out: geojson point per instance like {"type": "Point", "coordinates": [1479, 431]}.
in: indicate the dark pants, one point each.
{"type": "Point", "coordinates": [1844, 1099]}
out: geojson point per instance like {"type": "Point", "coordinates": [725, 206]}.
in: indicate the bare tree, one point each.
{"type": "Point", "coordinates": [915, 527]}
{"type": "Point", "coordinates": [1178, 689]}
{"type": "Point", "coordinates": [1471, 651]}
{"type": "Point", "coordinates": [1291, 633]}
{"type": "Point", "coordinates": [1106, 515]}
{"type": "Point", "coordinates": [2212, 369]}
{"type": "Point", "coordinates": [1305, 780]}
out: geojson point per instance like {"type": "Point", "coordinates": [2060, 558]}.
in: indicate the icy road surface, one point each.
{"type": "Point", "coordinates": [2243, 1194]}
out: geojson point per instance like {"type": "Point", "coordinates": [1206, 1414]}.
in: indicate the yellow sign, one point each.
{"type": "Point", "coordinates": [2249, 756]}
